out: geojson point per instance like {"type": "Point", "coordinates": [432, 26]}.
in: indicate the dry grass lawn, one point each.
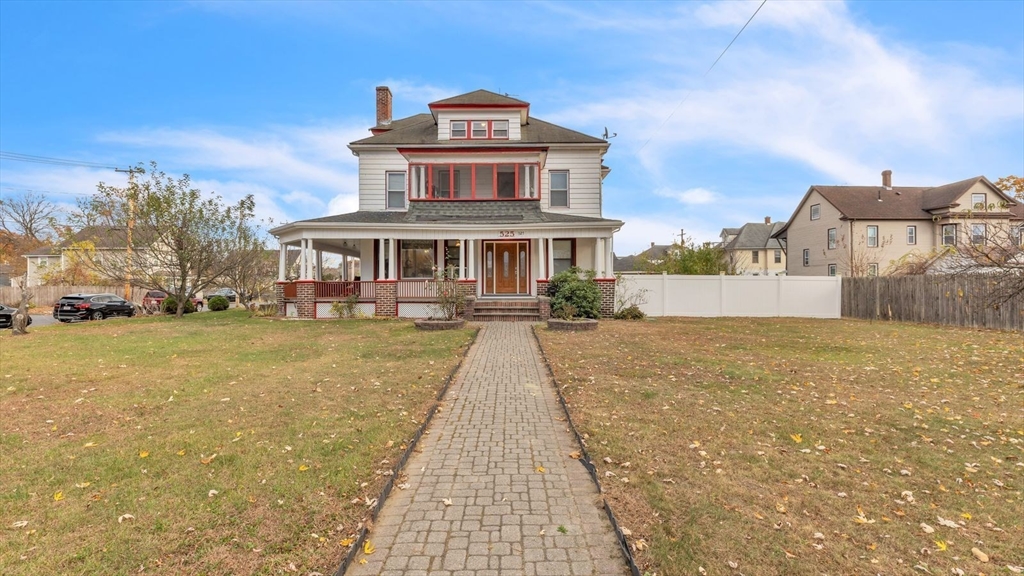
{"type": "Point", "coordinates": [788, 446]}
{"type": "Point", "coordinates": [215, 444]}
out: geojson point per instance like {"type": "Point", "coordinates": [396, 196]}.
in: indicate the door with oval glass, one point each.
{"type": "Point", "coordinates": [507, 268]}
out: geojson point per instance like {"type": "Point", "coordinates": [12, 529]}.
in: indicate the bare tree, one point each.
{"type": "Point", "coordinates": [253, 272]}
{"type": "Point", "coordinates": [997, 254]}
{"type": "Point", "coordinates": [30, 215]}
{"type": "Point", "coordinates": [19, 324]}
{"type": "Point", "coordinates": [178, 239]}
{"type": "Point", "coordinates": [853, 259]}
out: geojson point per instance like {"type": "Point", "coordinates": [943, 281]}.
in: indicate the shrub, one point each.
{"type": "Point", "coordinates": [170, 306]}
{"type": "Point", "coordinates": [348, 308]}
{"type": "Point", "coordinates": [218, 303]}
{"type": "Point", "coordinates": [576, 288]}
{"type": "Point", "coordinates": [631, 312]}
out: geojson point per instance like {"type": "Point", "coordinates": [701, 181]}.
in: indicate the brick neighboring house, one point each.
{"type": "Point", "coordinates": [869, 230]}
{"type": "Point", "coordinates": [477, 185]}
{"type": "Point", "coordinates": [751, 250]}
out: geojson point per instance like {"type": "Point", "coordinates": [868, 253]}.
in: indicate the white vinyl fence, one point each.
{"type": "Point", "coordinates": [804, 297]}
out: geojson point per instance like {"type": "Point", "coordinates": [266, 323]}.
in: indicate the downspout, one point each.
{"type": "Point", "coordinates": [849, 272]}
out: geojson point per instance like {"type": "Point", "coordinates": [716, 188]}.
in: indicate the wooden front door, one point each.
{"type": "Point", "coordinates": [506, 268]}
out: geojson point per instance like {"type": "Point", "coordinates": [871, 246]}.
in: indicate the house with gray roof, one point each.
{"type": "Point", "coordinates": [752, 249]}
{"type": "Point", "coordinates": [477, 186]}
{"type": "Point", "coordinates": [872, 230]}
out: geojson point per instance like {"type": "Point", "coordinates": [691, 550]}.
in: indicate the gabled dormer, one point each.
{"type": "Point", "coordinates": [480, 115]}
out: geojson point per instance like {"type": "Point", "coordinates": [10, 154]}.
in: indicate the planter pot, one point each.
{"type": "Point", "coordinates": [572, 325]}
{"type": "Point", "coordinates": [430, 324]}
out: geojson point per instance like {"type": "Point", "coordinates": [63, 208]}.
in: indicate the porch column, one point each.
{"type": "Point", "coordinates": [319, 265]}
{"type": "Point", "coordinates": [551, 258]}
{"type": "Point", "coordinates": [392, 258]}
{"type": "Point", "coordinates": [344, 267]}
{"type": "Point", "coordinates": [380, 258]}
{"type": "Point", "coordinates": [281, 258]}
{"type": "Point", "coordinates": [303, 271]}
{"type": "Point", "coordinates": [610, 257]}
{"type": "Point", "coordinates": [598, 256]}
{"type": "Point", "coordinates": [542, 259]}
{"type": "Point", "coordinates": [462, 259]}
{"type": "Point", "coordinates": [471, 247]}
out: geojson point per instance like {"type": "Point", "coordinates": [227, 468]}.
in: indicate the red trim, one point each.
{"type": "Point", "coordinates": [476, 106]}
{"type": "Point", "coordinates": [464, 281]}
{"type": "Point", "coordinates": [604, 279]}
{"type": "Point", "coordinates": [386, 281]}
{"type": "Point", "coordinates": [452, 181]}
{"type": "Point", "coordinates": [304, 281]}
{"type": "Point", "coordinates": [471, 150]}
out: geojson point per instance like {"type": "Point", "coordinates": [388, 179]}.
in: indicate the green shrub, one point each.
{"type": "Point", "coordinates": [632, 312]}
{"type": "Point", "coordinates": [170, 305]}
{"type": "Point", "coordinates": [575, 288]}
{"type": "Point", "coordinates": [218, 303]}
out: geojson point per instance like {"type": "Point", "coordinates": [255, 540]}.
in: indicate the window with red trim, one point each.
{"type": "Point", "coordinates": [478, 129]}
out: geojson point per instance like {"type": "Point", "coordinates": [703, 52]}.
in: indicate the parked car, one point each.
{"type": "Point", "coordinates": [91, 307]}
{"type": "Point", "coordinates": [154, 299]}
{"type": "Point", "coordinates": [228, 293]}
{"type": "Point", "coordinates": [7, 317]}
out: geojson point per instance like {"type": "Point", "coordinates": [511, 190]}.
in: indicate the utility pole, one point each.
{"type": "Point", "coordinates": [131, 224]}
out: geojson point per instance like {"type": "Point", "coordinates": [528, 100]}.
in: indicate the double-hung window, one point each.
{"type": "Point", "coordinates": [978, 234]}
{"type": "Point", "coordinates": [873, 269]}
{"type": "Point", "coordinates": [562, 255]}
{"type": "Point", "coordinates": [831, 238]}
{"type": "Point", "coordinates": [1017, 234]}
{"type": "Point", "coordinates": [479, 128]}
{"type": "Point", "coordinates": [807, 256]}
{"type": "Point", "coordinates": [754, 256]}
{"type": "Point", "coordinates": [911, 234]}
{"type": "Point", "coordinates": [815, 211]}
{"type": "Point", "coordinates": [872, 236]}
{"type": "Point", "coordinates": [949, 234]}
{"type": "Point", "coordinates": [396, 189]}
{"type": "Point", "coordinates": [778, 256]}
{"type": "Point", "coordinates": [458, 129]}
{"type": "Point", "coordinates": [831, 269]}
{"type": "Point", "coordinates": [499, 129]}
{"type": "Point", "coordinates": [417, 258]}
{"type": "Point", "coordinates": [559, 188]}
{"type": "Point", "coordinates": [978, 201]}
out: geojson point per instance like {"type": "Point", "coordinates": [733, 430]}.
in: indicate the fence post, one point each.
{"type": "Point", "coordinates": [664, 293]}
{"type": "Point", "coordinates": [778, 295]}
{"type": "Point", "coordinates": [721, 294]}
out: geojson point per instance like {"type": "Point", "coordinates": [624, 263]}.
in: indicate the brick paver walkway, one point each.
{"type": "Point", "coordinates": [501, 423]}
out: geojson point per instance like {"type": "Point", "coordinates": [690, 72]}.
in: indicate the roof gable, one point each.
{"type": "Point", "coordinates": [479, 99]}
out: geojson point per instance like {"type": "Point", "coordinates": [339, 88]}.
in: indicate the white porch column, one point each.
{"type": "Point", "coordinates": [319, 264]}
{"type": "Point", "coordinates": [462, 259]}
{"type": "Point", "coordinates": [542, 259]}
{"type": "Point", "coordinates": [381, 255]}
{"type": "Point", "coordinates": [344, 267]}
{"type": "Point", "coordinates": [471, 248]}
{"type": "Point", "coordinates": [551, 257]}
{"type": "Point", "coordinates": [598, 256]}
{"type": "Point", "coordinates": [392, 259]}
{"type": "Point", "coordinates": [302, 259]}
{"type": "Point", "coordinates": [281, 249]}
{"type": "Point", "coordinates": [609, 257]}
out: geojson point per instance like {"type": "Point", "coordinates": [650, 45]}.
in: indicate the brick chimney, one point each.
{"type": "Point", "coordinates": [652, 244]}
{"type": "Point", "coordinates": [383, 106]}
{"type": "Point", "coordinates": [767, 219]}
{"type": "Point", "coordinates": [887, 179]}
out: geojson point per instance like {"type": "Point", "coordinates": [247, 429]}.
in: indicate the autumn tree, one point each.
{"type": "Point", "coordinates": [27, 223]}
{"type": "Point", "coordinates": [180, 240]}
{"type": "Point", "coordinates": [253, 272]}
{"type": "Point", "coordinates": [686, 257]}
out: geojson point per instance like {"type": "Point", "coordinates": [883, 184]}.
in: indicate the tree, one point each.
{"type": "Point", "coordinates": [179, 240]}
{"type": "Point", "coordinates": [686, 257]}
{"type": "Point", "coordinates": [853, 258]}
{"type": "Point", "coordinates": [1013, 184]}
{"type": "Point", "coordinates": [253, 272]}
{"type": "Point", "coordinates": [77, 270]}
{"type": "Point", "coordinates": [19, 323]}
{"type": "Point", "coordinates": [30, 215]}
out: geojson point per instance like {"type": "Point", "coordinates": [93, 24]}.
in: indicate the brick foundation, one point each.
{"type": "Point", "coordinates": [279, 298]}
{"type": "Point", "coordinates": [544, 305]}
{"type": "Point", "coordinates": [387, 299]}
{"type": "Point", "coordinates": [469, 307]}
{"type": "Point", "coordinates": [607, 286]}
{"type": "Point", "coordinates": [305, 296]}
{"type": "Point", "coordinates": [542, 287]}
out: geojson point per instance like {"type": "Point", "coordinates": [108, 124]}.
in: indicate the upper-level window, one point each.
{"type": "Point", "coordinates": [753, 256]}
{"type": "Point", "coordinates": [831, 238]}
{"type": "Point", "coordinates": [396, 189]}
{"type": "Point", "coordinates": [815, 211]}
{"type": "Point", "coordinates": [911, 234]}
{"type": "Point", "coordinates": [1017, 233]}
{"type": "Point", "coordinates": [778, 256]}
{"type": "Point", "coordinates": [978, 234]}
{"type": "Point", "coordinates": [872, 236]}
{"type": "Point", "coordinates": [479, 129]}
{"type": "Point", "coordinates": [474, 181]}
{"type": "Point", "coordinates": [559, 188]}
{"type": "Point", "coordinates": [978, 201]}
{"type": "Point", "coordinates": [949, 234]}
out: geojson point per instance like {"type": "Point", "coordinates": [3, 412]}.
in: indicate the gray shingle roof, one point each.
{"type": "Point", "coordinates": [421, 129]}
{"type": "Point", "coordinates": [900, 203]}
{"type": "Point", "coordinates": [464, 212]}
{"type": "Point", "coordinates": [756, 236]}
{"type": "Point", "coordinates": [480, 98]}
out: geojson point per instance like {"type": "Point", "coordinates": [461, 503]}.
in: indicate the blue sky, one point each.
{"type": "Point", "coordinates": [262, 97]}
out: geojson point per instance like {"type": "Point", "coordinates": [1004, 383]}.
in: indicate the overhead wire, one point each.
{"type": "Point", "coordinates": [19, 157]}
{"type": "Point", "coordinates": [706, 72]}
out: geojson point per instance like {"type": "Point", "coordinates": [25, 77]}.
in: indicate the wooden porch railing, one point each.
{"type": "Point", "coordinates": [416, 289]}
{"type": "Point", "coordinates": [364, 290]}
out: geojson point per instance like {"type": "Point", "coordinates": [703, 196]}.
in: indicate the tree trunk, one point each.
{"type": "Point", "coordinates": [19, 324]}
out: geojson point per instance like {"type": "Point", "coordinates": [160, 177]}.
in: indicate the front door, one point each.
{"type": "Point", "coordinates": [506, 268]}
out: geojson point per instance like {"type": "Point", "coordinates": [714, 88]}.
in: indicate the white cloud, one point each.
{"type": "Point", "coordinates": [419, 94]}
{"type": "Point", "coordinates": [691, 196]}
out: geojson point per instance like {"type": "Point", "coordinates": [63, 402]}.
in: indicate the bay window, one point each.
{"type": "Point", "coordinates": [512, 181]}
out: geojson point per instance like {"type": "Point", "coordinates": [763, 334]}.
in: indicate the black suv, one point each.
{"type": "Point", "coordinates": [91, 307]}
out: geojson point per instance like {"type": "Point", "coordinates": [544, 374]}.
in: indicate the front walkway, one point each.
{"type": "Point", "coordinates": [493, 490]}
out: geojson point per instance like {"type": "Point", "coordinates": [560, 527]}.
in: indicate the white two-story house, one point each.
{"type": "Point", "coordinates": [477, 186]}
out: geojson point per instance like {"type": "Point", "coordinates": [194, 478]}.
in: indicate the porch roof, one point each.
{"type": "Point", "coordinates": [471, 212]}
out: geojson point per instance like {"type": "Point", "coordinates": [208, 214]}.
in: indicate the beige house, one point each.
{"type": "Point", "coordinates": [870, 230]}
{"type": "Point", "coordinates": [752, 250]}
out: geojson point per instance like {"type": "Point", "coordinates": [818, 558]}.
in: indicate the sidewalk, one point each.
{"type": "Point", "coordinates": [493, 489]}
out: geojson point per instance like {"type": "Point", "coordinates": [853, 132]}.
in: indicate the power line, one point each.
{"type": "Point", "coordinates": [18, 157]}
{"type": "Point", "coordinates": [676, 109]}
{"type": "Point", "coordinates": [18, 188]}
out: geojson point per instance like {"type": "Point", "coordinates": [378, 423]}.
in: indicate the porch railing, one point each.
{"type": "Point", "coordinates": [341, 290]}
{"type": "Point", "coordinates": [416, 289]}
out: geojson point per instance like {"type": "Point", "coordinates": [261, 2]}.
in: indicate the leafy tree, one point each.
{"type": "Point", "coordinates": [1013, 184]}
{"type": "Point", "coordinates": [181, 239]}
{"type": "Point", "coordinates": [78, 266]}
{"type": "Point", "coordinates": [686, 257]}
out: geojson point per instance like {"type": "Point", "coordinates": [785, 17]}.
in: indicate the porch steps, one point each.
{"type": "Point", "coordinates": [506, 310]}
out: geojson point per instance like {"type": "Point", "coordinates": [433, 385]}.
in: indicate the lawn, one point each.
{"type": "Point", "coordinates": [790, 446]}
{"type": "Point", "coordinates": [213, 444]}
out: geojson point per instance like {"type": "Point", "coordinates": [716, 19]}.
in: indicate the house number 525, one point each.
{"type": "Point", "coordinates": [506, 233]}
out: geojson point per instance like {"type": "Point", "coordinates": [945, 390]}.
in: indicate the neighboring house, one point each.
{"type": "Point", "coordinates": [870, 230]}
{"type": "Point", "coordinates": [632, 263]}
{"type": "Point", "coordinates": [752, 251]}
{"type": "Point", "coordinates": [477, 185]}
{"type": "Point", "coordinates": [100, 242]}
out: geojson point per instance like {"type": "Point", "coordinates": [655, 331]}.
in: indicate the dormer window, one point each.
{"type": "Point", "coordinates": [478, 129]}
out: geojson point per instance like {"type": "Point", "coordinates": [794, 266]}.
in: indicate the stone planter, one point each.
{"type": "Point", "coordinates": [432, 324]}
{"type": "Point", "coordinates": [572, 325]}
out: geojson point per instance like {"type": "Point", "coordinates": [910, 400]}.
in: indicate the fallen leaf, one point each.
{"type": "Point", "coordinates": [58, 496]}
{"type": "Point", "coordinates": [212, 493]}
{"type": "Point", "coordinates": [541, 469]}
{"type": "Point", "coordinates": [575, 455]}
{"type": "Point", "coordinates": [89, 445]}
{"type": "Point", "coordinates": [347, 542]}
{"type": "Point", "coordinates": [789, 554]}
{"type": "Point", "coordinates": [20, 524]}
{"type": "Point", "coordinates": [303, 468]}
{"type": "Point", "coordinates": [368, 548]}
{"type": "Point", "coordinates": [362, 560]}
{"type": "Point", "coordinates": [798, 439]}
{"type": "Point", "coordinates": [124, 517]}
{"type": "Point", "coordinates": [979, 554]}
{"type": "Point", "coordinates": [780, 507]}
{"type": "Point", "coordinates": [208, 460]}
{"type": "Point", "coordinates": [83, 484]}
{"type": "Point", "coordinates": [941, 545]}
{"type": "Point", "coordinates": [143, 454]}
{"type": "Point", "coordinates": [447, 501]}
{"type": "Point", "coordinates": [181, 452]}
{"type": "Point", "coordinates": [948, 523]}
{"type": "Point", "coordinates": [927, 529]}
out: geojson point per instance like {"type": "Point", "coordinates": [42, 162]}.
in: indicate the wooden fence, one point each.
{"type": "Point", "coordinates": [956, 301]}
{"type": "Point", "coordinates": [46, 296]}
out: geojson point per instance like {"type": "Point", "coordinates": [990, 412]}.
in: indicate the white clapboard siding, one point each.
{"type": "Point", "coordinates": [584, 166]}
{"type": "Point", "coordinates": [373, 166]}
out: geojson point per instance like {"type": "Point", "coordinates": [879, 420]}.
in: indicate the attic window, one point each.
{"type": "Point", "coordinates": [458, 128]}
{"type": "Point", "coordinates": [978, 201]}
{"type": "Point", "coordinates": [479, 129]}
{"type": "Point", "coordinates": [815, 211]}
{"type": "Point", "coordinates": [499, 129]}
